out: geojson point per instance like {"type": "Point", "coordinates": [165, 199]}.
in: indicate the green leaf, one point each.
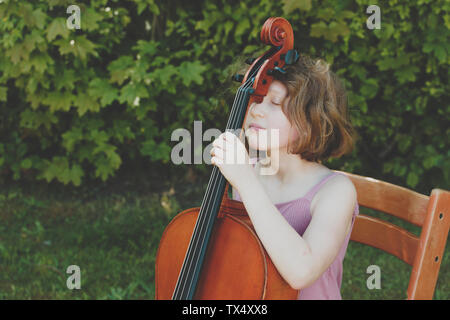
{"type": "Point", "coordinates": [3, 93]}
{"type": "Point", "coordinates": [57, 27]}
{"type": "Point", "coordinates": [55, 168]}
{"type": "Point", "coordinates": [80, 47]}
{"type": "Point", "coordinates": [164, 75]}
{"type": "Point", "coordinates": [404, 142]}
{"type": "Point", "coordinates": [386, 63]}
{"type": "Point", "coordinates": [326, 14]}
{"type": "Point", "coordinates": [32, 18]}
{"type": "Point", "coordinates": [100, 137]}
{"type": "Point", "coordinates": [72, 137]}
{"type": "Point", "coordinates": [412, 179]}
{"type": "Point", "coordinates": [406, 73]}
{"type": "Point", "coordinates": [440, 52]}
{"type": "Point", "coordinates": [34, 119]}
{"type": "Point", "coordinates": [318, 29]}
{"type": "Point", "coordinates": [84, 47]}
{"type": "Point", "coordinates": [399, 169]}
{"type": "Point", "coordinates": [156, 151]}
{"type": "Point", "coordinates": [65, 46]}
{"type": "Point", "coordinates": [143, 4]}
{"type": "Point", "coordinates": [18, 52]}
{"type": "Point", "coordinates": [105, 167]}
{"type": "Point", "coordinates": [85, 103]}
{"type": "Point", "coordinates": [32, 40]}
{"type": "Point", "coordinates": [90, 19]}
{"type": "Point", "coordinates": [26, 163]}
{"type": "Point", "coordinates": [290, 5]}
{"type": "Point", "coordinates": [191, 72]}
{"type": "Point", "coordinates": [109, 150]}
{"type": "Point", "coordinates": [131, 92]}
{"type": "Point", "coordinates": [143, 109]}
{"type": "Point", "coordinates": [340, 28]}
{"type": "Point", "coordinates": [147, 47]}
{"type": "Point", "coordinates": [66, 79]}
{"type": "Point", "coordinates": [100, 88]}
{"type": "Point", "coordinates": [58, 100]}
{"type": "Point", "coordinates": [430, 161]}
{"type": "Point", "coordinates": [120, 69]}
{"type": "Point", "coordinates": [228, 27]}
{"type": "Point", "coordinates": [76, 173]}
{"type": "Point", "coordinates": [41, 62]}
{"type": "Point", "coordinates": [370, 88]}
{"type": "Point", "coordinates": [242, 27]}
{"type": "Point", "coordinates": [141, 7]}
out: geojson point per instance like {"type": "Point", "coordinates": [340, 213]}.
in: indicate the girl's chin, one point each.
{"type": "Point", "coordinates": [260, 140]}
{"type": "Point", "coordinates": [255, 147]}
{"type": "Point", "coordinates": [259, 147]}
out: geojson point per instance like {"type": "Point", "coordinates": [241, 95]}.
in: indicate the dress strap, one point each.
{"type": "Point", "coordinates": [313, 191]}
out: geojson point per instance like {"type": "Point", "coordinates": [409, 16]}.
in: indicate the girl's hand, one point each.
{"type": "Point", "coordinates": [230, 156]}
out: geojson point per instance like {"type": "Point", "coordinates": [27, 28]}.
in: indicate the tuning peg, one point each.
{"type": "Point", "coordinates": [250, 61]}
{"type": "Point", "coordinates": [276, 69]}
{"type": "Point", "coordinates": [238, 78]}
{"type": "Point", "coordinates": [280, 70]}
{"type": "Point", "coordinates": [291, 56]}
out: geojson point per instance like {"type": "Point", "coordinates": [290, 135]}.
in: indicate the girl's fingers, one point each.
{"type": "Point", "coordinates": [224, 139]}
{"type": "Point", "coordinates": [217, 152]}
{"type": "Point", "coordinates": [216, 161]}
{"type": "Point", "coordinates": [219, 143]}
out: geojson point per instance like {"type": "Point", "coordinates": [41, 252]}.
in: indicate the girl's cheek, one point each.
{"type": "Point", "coordinates": [293, 134]}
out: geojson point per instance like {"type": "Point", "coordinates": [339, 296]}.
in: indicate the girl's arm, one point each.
{"type": "Point", "coordinates": [302, 259]}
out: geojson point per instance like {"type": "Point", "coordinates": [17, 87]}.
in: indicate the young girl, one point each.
{"type": "Point", "coordinates": [304, 212]}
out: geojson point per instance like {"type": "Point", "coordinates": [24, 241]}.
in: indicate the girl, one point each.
{"type": "Point", "coordinates": [304, 212]}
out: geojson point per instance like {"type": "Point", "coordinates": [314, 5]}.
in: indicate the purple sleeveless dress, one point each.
{"type": "Point", "coordinates": [297, 213]}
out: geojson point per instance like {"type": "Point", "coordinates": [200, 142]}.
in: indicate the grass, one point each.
{"type": "Point", "coordinates": [113, 238]}
{"type": "Point", "coordinates": [395, 273]}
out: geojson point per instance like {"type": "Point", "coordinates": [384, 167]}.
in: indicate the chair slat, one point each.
{"type": "Point", "coordinates": [385, 236]}
{"type": "Point", "coordinates": [389, 198]}
{"type": "Point", "coordinates": [431, 248]}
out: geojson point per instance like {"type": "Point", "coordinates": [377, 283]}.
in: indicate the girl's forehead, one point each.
{"type": "Point", "coordinates": [278, 88]}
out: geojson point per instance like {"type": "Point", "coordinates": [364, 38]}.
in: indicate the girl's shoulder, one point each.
{"type": "Point", "coordinates": [337, 190]}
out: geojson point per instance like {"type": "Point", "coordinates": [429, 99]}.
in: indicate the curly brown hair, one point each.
{"type": "Point", "coordinates": [317, 108]}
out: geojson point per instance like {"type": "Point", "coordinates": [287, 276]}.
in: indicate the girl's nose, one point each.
{"type": "Point", "coordinates": [256, 110]}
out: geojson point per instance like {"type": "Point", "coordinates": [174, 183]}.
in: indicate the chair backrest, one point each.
{"type": "Point", "coordinates": [431, 213]}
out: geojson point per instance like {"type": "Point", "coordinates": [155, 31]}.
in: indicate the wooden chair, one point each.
{"type": "Point", "coordinates": [431, 213]}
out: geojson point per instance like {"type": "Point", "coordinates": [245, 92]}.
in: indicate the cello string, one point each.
{"type": "Point", "coordinates": [199, 229]}
{"type": "Point", "coordinates": [207, 208]}
{"type": "Point", "coordinates": [201, 218]}
{"type": "Point", "coordinates": [201, 222]}
{"type": "Point", "coordinates": [202, 233]}
{"type": "Point", "coordinates": [215, 194]}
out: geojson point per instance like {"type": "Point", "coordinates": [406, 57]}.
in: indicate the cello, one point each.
{"type": "Point", "coordinates": [212, 252]}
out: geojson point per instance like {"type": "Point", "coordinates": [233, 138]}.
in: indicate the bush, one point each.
{"type": "Point", "coordinates": [79, 104]}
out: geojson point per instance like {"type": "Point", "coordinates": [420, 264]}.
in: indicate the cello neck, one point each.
{"type": "Point", "coordinates": [209, 209]}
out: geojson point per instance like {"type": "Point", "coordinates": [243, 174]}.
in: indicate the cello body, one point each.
{"type": "Point", "coordinates": [213, 252]}
{"type": "Point", "coordinates": [236, 268]}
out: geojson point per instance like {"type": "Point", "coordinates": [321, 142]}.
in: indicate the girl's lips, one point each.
{"type": "Point", "coordinates": [256, 127]}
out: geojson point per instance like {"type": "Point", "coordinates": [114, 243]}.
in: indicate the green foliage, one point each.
{"type": "Point", "coordinates": [77, 104]}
